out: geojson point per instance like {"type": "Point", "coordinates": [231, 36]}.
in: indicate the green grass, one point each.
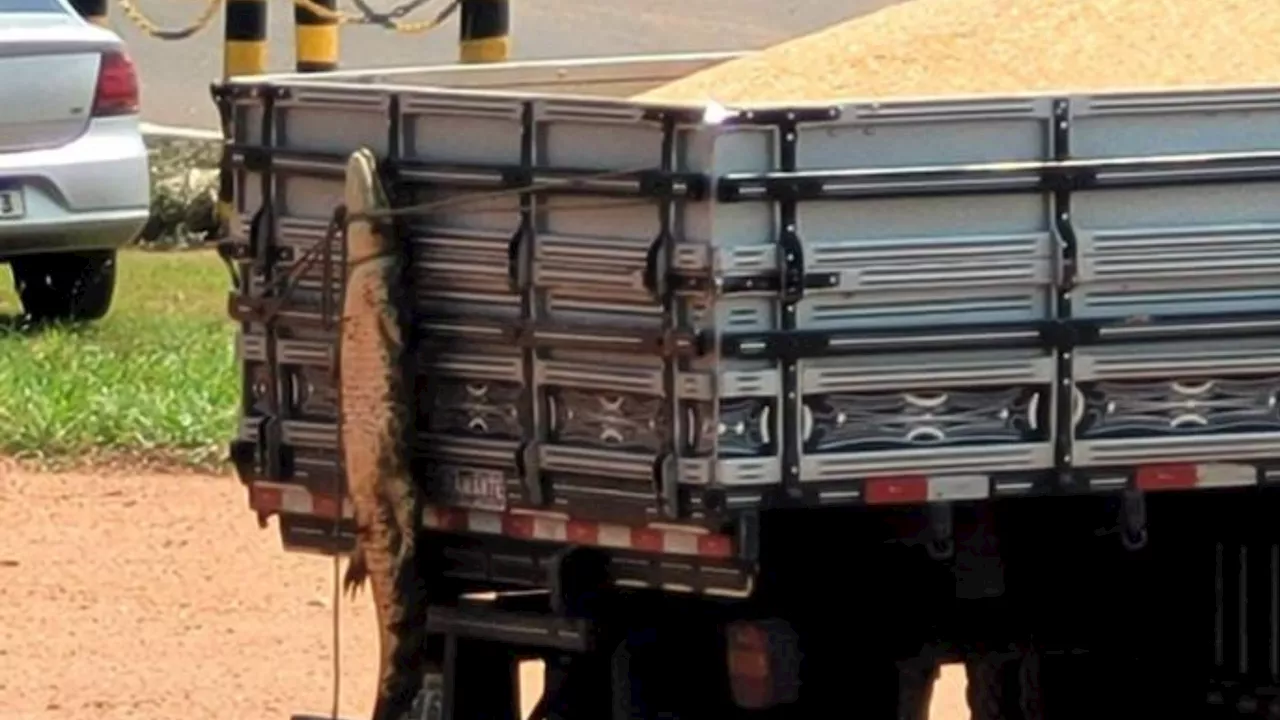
{"type": "Point", "coordinates": [156, 379]}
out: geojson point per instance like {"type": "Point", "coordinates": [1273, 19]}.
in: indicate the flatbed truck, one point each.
{"type": "Point", "coordinates": [766, 411]}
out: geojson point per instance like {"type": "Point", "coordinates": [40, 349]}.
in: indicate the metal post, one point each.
{"type": "Point", "coordinates": [245, 42]}
{"type": "Point", "coordinates": [484, 31]}
{"type": "Point", "coordinates": [244, 52]}
{"type": "Point", "coordinates": [95, 11]}
{"type": "Point", "coordinates": [316, 38]}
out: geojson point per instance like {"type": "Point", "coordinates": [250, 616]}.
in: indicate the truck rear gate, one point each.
{"type": "Point", "coordinates": [653, 330]}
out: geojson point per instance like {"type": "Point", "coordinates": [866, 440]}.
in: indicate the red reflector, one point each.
{"type": "Point", "coordinates": [646, 540]}
{"type": "Point", "coordinates": [326, 506]}
{"type": "Point", "coordinates": [905, 489]}
{"type": "Point", "coordinates": [716, 546]}
{"type": "Point", "coordinates": [265, 500]}
{"type": "Point", "coordinates": [749, 666]}
{"type": "Point", "coordinates": [748, 652]}
{"type": "Point", "coordinates": [450, 519]}
{"type": "Point", "coordinates": [518, 526]}
{"type": "Point", "coordinates": [582, 533]}
{"type": "Point", "coordinates": [1167, 477]}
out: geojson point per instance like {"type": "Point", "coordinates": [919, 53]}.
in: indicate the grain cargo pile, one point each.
{"type": "Point", "coordinates": [963, 47]}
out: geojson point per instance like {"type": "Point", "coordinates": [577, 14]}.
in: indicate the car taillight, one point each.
{"type": "Point", "coordinates": [117, 91]}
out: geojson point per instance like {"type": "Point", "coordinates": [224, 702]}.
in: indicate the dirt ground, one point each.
{"type": "Point", "coordinates": [153, 597]}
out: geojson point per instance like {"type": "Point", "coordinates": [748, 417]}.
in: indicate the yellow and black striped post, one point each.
{"type": "Point", "coordinates": [244, 52]}
{"type": "Point", "coordinates": [484, 31]}
{"type": "Point", "coordinates": [95, 11]}
{"type": "Point", "coordinates": [245, 41]}
{"type": "Point", "coordinates": [316, 38]}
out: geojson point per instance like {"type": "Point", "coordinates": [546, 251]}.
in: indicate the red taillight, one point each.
{"type": "Point", "coordinates": [117, 91]}
{"type": "Point", "coordinates": [764, 664]}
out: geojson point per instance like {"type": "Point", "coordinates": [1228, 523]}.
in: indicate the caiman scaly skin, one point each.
{"type": "Point", "coordinates": [374, 417]}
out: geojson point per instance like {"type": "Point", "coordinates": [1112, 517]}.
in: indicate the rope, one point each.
{"type": "Point", "coordinates": [392, 19]}
{"type": "Point", "coordinates": [337, 637]}
{"type": "Point", "coordinates": [337, 229]}
{"type": "Point", "coordinates": [146, 25]}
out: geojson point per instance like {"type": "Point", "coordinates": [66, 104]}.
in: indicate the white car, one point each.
{"type": "Point", "coordinates": [74, 180]}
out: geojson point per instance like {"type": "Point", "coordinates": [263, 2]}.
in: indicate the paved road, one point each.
{"type": "Point", "coordinates": [176, 75]}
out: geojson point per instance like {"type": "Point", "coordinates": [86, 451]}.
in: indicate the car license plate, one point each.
{"type": "Point", "coordinates": [476, 488]}
{"type": "Point", "coordinates": [12, 206]}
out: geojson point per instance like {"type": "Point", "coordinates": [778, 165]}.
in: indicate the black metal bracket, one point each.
{"type": "Point", "coordinates": [941, 543]}
{"type": "Point", "coordinates": [529, 470]}
{"type": "Point", "coordinates": [1133, 519]}
{"type": "Point", "coordinates": [262, 234]}
{"type": "Point", "coordinates": [520, 253]}
{"type": "Point", "coordinates": [1059, 175]}
{"type": "Point", "coordinates": [791, 286]}
{"type": "Point", "coordinates": [747, 535]}
{"type": "Point", "coordinates": [1064, 434]}
{"type": "Point", "coordinates": [775, 283]}
{"type": "Point", "coordinates": [666, 478]}
{"type": "Point", "coordinates": [531, 179]}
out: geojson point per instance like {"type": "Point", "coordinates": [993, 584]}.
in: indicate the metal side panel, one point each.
{"type": "Point", "coordinates": [471, 423]}
{"type": "Point", "coordinates": [305, 119]}
{"type": "Point", "coordinates": [313, 449]}
{"type": "Point", "coordinates": [926, 262]}
{"type": "Point", "coordinates": [740, 234]}
{"type": "Point", "coordinates": [461, 239]}
{"type": "Point", "coordinates": [1178, 250]}
{"type": "Point", "coordinates": [1183, 360]}
{"type": "Point", "coordinates": [463, 272]}
{"type": "Point", "coordinates": [744, 431]}
{"type": "Point", "coordinates": [605, 423]}
{"type": "Point", "coordinates": [1170, 123]}
{"type": "Point", "coordinates": [957, 460]}
{"type": "Point", "coordinates": [596, 261]}
{"type": "Point", "coordinates": [1183, 401]}
{"type": "Point", "coordinates": [899, 134]}
{"type": "Point", "coordinates": [439, 128]}
{"type": "Point", "coordinates": [246, 120]}
{"type": "Point", "coordinates": [590, 263]}
{"type": "Point", "coordinates": [945, 413]}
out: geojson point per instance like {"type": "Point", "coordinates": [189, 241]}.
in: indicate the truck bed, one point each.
{"type": "Point", "coordinates": [642, 325]}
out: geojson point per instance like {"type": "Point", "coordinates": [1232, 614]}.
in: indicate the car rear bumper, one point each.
{"type": "Point", "coordinates": [94, 230]}
{"type": "Point", "coordinates": [92, 193]}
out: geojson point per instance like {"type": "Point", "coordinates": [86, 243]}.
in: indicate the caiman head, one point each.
{"type": "Point", "coordinates": [365, 194]}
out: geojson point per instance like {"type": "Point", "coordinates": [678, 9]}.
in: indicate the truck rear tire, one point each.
{"type": "Point", "coordinates": [66, 287]}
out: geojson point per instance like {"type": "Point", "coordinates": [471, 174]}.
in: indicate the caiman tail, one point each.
{"type": "Point", "coordinates": [374, 420]}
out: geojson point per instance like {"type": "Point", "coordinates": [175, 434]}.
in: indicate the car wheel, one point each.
{"type": "Point", "coordinates": [66, 287]}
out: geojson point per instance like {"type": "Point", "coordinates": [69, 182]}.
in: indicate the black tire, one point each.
{"type": "Point", "coordinates": [67, 287]}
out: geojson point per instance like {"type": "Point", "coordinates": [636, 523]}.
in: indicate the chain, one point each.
{"type": "Point", "coordinates": [391, 19]}
{"type": "Point", "coordinates": [146, 25]}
